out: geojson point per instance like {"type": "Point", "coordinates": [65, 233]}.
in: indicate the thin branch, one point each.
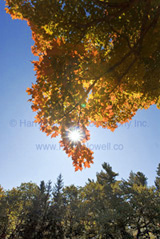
{"type": "Point", "coordinates": [121, 35]}
{"type": "Point", "coordinates": [124, 6]}
{"type": "Point", "coordinates": [97, 78]}
{"type": "Point", "coordinates": [121, 77]}
{"type": "Point", "coordinates": [115, 5]}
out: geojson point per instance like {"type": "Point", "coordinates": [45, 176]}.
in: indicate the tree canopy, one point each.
{"type": "Point", "coordinates": [98, 62]}
{"type": "Point", "coordinates": [105, 208]}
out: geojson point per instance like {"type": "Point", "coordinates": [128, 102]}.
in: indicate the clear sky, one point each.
{"type": "Point", "coordinates": [134, 146]}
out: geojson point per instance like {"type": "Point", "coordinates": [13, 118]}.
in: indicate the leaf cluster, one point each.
{"type": "Point", "coordinates": [98, 63]}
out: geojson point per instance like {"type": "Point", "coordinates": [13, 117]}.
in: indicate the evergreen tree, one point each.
{"type": "Point", "coordinates": [57, 210]}
{"type": "Point", "coordinates": [157, 181]}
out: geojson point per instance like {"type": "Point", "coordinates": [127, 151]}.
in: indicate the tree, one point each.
{"type": "Point", "coordinates": [106, 211]}
{"type": "Point", "coordinates": [3, 214]}
{"type": "Point", "coordinates": [143, 201]}
{"type": "Point", "coordinates": [57, 210]}
{"type": "Point", "coordinates": [157, 181]}
{"type": "Point", "coordinates": [36, 221]}
{"type": "Point", "coordinates": [98, 63]}
{"type": "Point", "coordinates": [14, 208]}
{"type": "Point", "coordinates": [74, 218]}
{"type": "Point", "coordinates": [137, 178]}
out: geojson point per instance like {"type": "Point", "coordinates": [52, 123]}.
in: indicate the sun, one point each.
{"type": "Point", "coordinates": [75, 135]}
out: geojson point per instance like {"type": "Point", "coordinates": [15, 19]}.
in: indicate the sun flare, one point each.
{"type": "Point", "coordinates": [75, 135]}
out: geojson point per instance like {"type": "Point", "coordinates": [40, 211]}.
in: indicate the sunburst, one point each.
{"type": "Point", "coordinates": [75, 135]}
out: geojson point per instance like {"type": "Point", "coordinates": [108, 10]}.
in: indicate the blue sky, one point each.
{"type": "Point", "coordinates": [134, 146]}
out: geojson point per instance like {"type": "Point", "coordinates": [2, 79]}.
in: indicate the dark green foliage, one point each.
{"type": "Point", "coordinates": [104, 209]}
{"type": "Point", "coordinates": [157, 181]}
